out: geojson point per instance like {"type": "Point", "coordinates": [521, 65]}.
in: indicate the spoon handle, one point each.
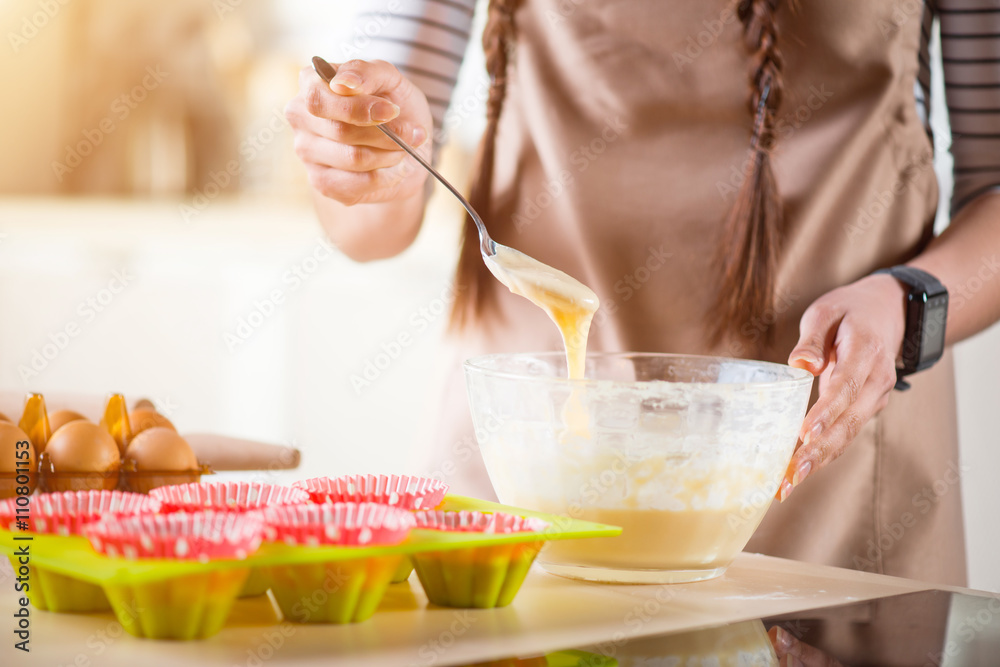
{"type": "Point", "coordinates": [327, 71]}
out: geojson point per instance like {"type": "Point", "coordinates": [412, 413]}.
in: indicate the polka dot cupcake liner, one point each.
{"type": "Point", "coordinates": [226, 496]}
{"type": "Point", "coordinates": [403, 491]}
{"type": "Point", "coordinates": [341, 524]}
{"type": "Point", "coordinates": [479, 577]}
{"type": "Point", "coordinates": [201, 536]}
{"type": "Point", "coordinates": [66, 513]}
{"type": "Point", "coordinates": [478, 522]}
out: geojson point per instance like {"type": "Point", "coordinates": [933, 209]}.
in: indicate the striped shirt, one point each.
{"type": "Point", "coordinates": [427, 40]}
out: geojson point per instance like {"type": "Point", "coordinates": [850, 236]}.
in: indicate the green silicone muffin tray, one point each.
{"type": "Point", "coordinates": [330, 584]}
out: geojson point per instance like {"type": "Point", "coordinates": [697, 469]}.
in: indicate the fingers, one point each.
{"type": "Point", "coordinates": [365, 187]}
{"type": "Point", "coordinates": [349, 119]}
{"type": "Point", "coordinates": [792, 651]}
{"type": "Point", "coordinates": [347, 157]}
{"type": "Point", "coordinates": [858, 357]}
{"type": "Point", "coordinates": [822, 450]}
{"type": "Point", "coordinates": [362, 93]}
{"type": "Point", "coordinates": [850, 337]}
{"type": "Point", "coordinates": [316, 150]}
{"type": "Point", "coordinates": [817, 330]}
{"type": "Point", "coordinates": [367, 77]}
{"type": "Point", "coordinates": [345, 133]}
{"type": "Point", "coordinates": [323, 101]}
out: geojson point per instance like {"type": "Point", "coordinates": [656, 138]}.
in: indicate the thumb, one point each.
{"type": "Point", "coordinates": [816, 334]}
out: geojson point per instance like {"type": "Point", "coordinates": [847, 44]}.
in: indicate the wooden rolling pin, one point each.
{"type": "Point", "coordinates": [219, 452]}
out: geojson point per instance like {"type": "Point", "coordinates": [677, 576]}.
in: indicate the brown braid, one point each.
{"type": "Point", "coordinates": [748, 253]}
{"type": "Point", "coordinates": [471, 276]}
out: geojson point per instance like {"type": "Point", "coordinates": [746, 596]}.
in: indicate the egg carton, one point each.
{"type": "Point", "coordinates": [123, 473]}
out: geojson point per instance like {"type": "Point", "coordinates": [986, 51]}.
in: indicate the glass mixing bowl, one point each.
{"type": "Point", "coordinates": [684, 452]}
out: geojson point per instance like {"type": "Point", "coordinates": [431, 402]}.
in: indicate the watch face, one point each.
{"type": "Point", "coordinates": [935, 317]}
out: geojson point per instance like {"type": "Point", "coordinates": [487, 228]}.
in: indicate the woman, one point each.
{"type": "Point", "coordinates": [616, 150]}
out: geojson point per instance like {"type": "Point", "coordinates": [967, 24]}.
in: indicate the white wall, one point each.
{"type": "Point", "coordinates": [165, 335]}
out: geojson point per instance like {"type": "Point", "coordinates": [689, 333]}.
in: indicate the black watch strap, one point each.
{"type": "Point", "coordinates": [926, 316]}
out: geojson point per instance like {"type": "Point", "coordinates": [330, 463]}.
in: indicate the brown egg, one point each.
{"type": "Point", "coordinates": [141, 419]}
{"type": "Point", "coordinates": [144, 404]}
{"type": "Point", "coordinates": [4, 418]}
{"type": "Point", "coordinates": [11, 455]}
{"type": "Point", "coordinates": [160, 450]}
{"type": "Point", "coordinates": [63, 417]}
{"type": "Point", "coordinates": [83, 456]}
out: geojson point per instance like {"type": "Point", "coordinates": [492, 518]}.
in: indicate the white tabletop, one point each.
{"type": "Point", "coordinates": [549, 614]}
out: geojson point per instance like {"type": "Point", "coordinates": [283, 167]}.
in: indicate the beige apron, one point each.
{"type": "Point", "coordinates": [620, 150]}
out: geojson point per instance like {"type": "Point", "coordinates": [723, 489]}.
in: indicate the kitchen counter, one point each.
{"type": "Point", "coordinates": [550, 614]}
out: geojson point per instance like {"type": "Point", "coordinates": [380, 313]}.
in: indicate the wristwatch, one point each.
{"type": "Point", "coordinates": [926, 315]}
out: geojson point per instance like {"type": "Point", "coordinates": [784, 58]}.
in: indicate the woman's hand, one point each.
{"type": "Point", "coordinates": [347, 158]}
{"type": "Point", "coordinates": [850, 338]}
{"type": "Point", "coordinates": [794, 653]}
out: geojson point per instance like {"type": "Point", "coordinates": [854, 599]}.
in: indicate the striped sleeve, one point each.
{"type": "Point", "coordinates": [425, 39]}
{"type": "Point", "coordinates": [970, 54]}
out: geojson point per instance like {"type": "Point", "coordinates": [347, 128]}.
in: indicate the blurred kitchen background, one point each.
{"type": "Point", "coordinates": [156, 239]}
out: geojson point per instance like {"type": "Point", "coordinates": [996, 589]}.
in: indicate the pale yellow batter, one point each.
{"type": "Point", "coordinates": [569, 303]}
{"type": "Point", "coordinates": [652, 539]}
{"type": "Point", "coordinates": [660, 539]}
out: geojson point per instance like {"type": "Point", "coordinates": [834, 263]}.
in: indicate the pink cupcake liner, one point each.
{"type": "Point", "coordinates": [342, 524]}
{"type": "Point", "coordinates": [466, 521]}
{"type": "Point", "coordinates": [226, 496]}
{"type": "Point", "coordinates": [201, 536]}
{"type": "Point", "coordinates": [404, 491]}
{"type": "Point", "coordinates": [67, 512]}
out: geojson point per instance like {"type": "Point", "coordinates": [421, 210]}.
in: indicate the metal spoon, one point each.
{"type": "Point", "coordinates": [488, 247]}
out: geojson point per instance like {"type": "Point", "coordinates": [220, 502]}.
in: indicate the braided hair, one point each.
{"type": "Point", "coordinates": [471, 277]}
{"type": "Point", "coordinates": [747, 255]}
